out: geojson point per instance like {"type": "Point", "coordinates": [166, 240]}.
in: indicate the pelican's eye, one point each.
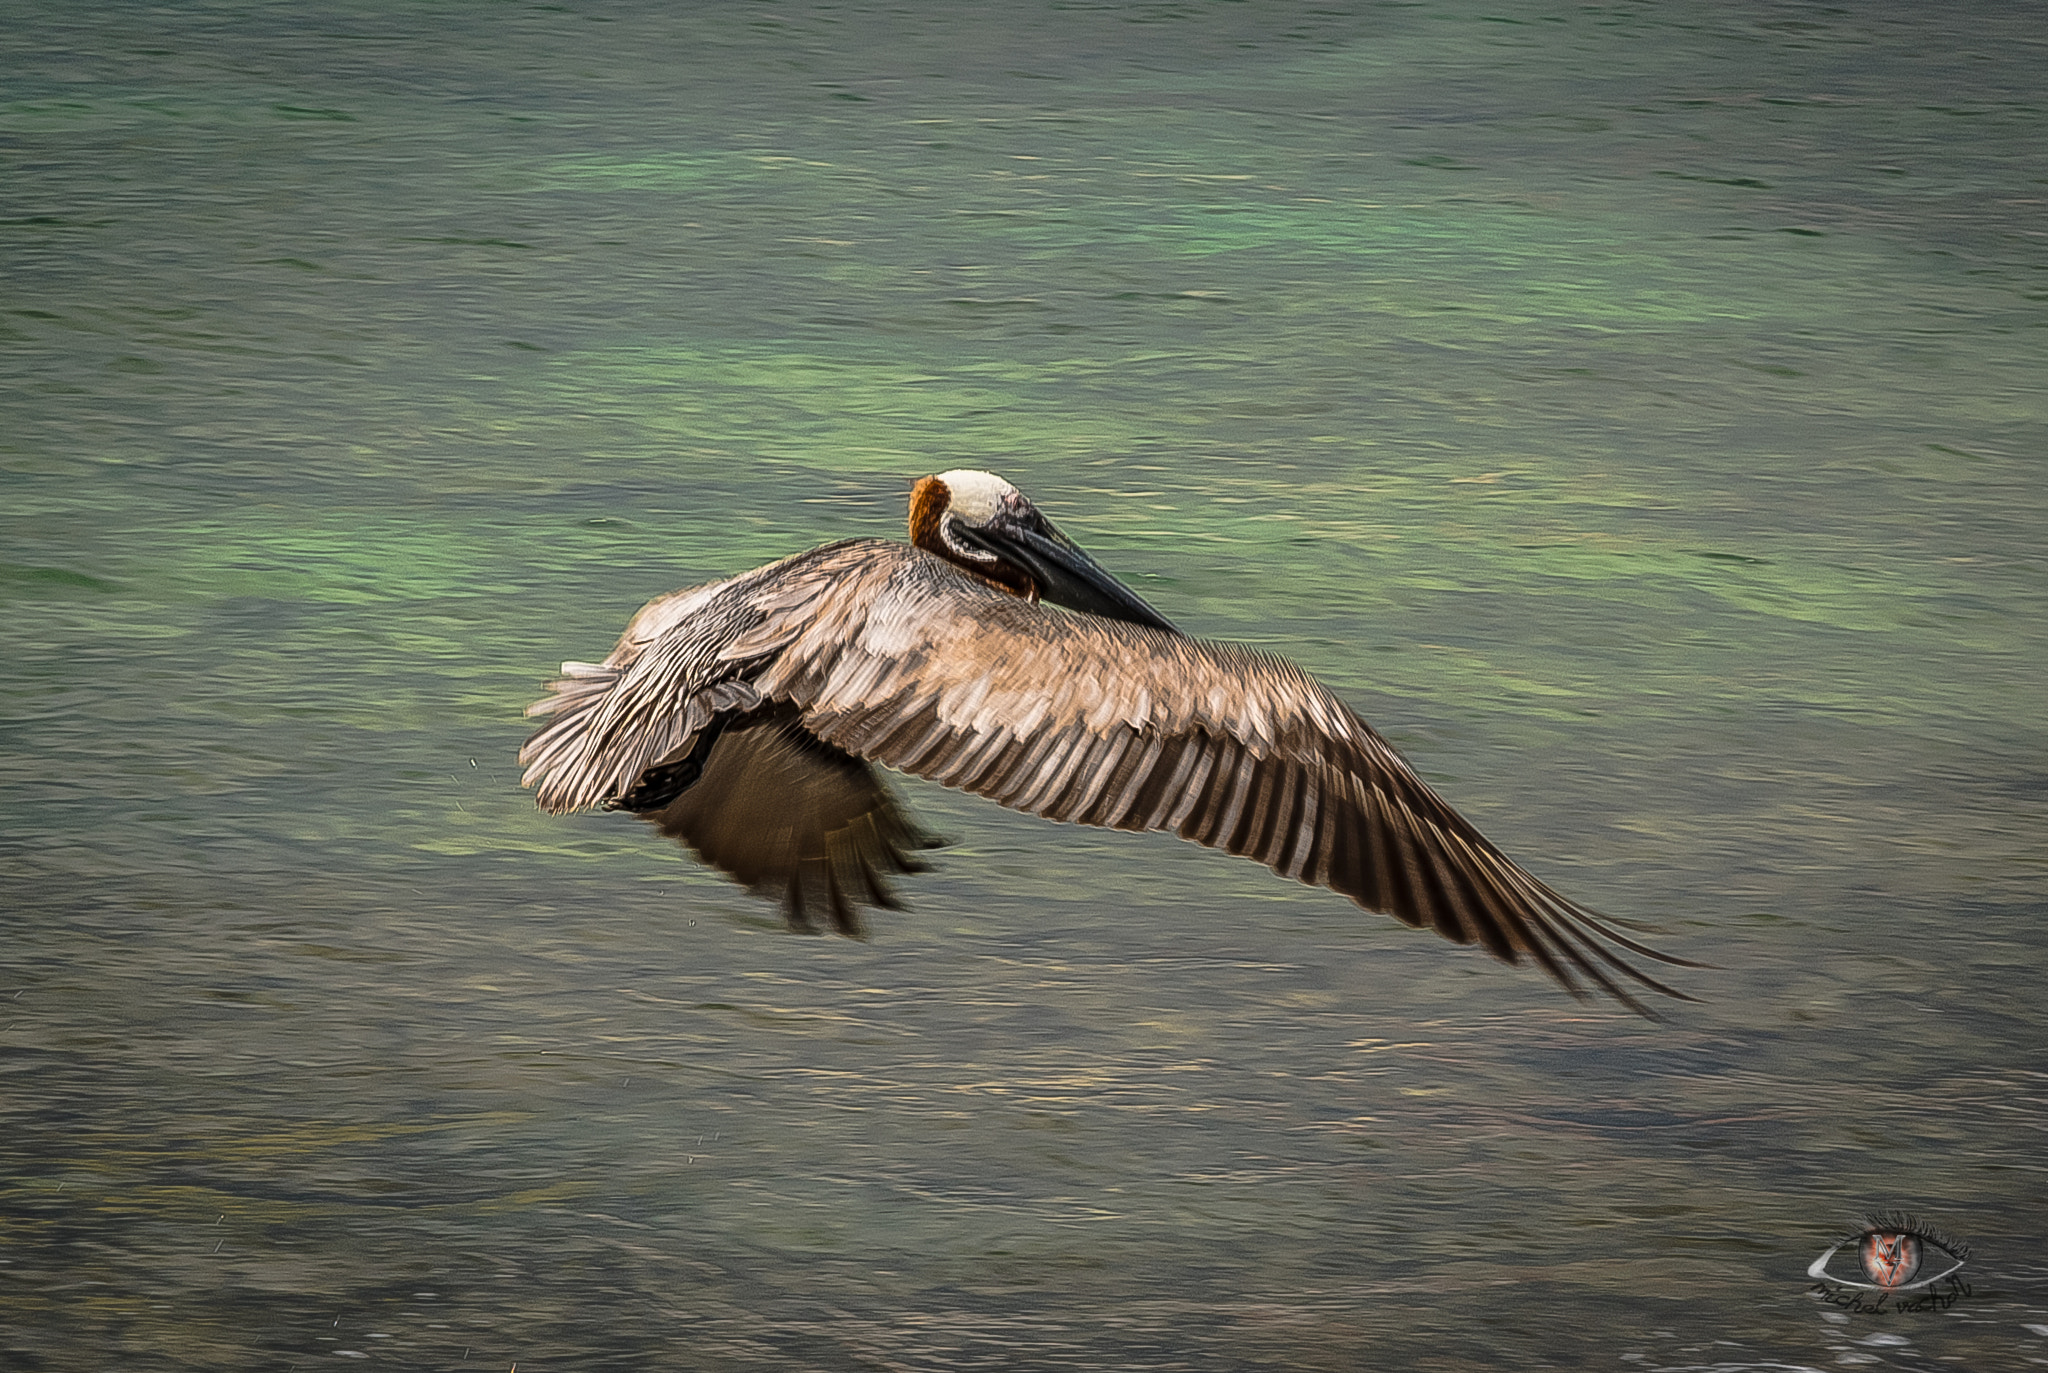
{"type": "Point", "coordinates": [1892, 1253]}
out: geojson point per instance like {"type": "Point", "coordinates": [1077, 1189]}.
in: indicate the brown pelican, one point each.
{"type": "Point", "coordinates": [744, 718]}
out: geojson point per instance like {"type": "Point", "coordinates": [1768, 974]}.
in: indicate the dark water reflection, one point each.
{"type": "Point", "coordinates": [1637, 414]}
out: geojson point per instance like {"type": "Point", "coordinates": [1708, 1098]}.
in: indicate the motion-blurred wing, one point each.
{"type": "Point", "coordinates": [669, 726]}
{"type": "Point", "coordinates": [793, 818]}
{"type": "Point", "coordinates": [1105, 723]}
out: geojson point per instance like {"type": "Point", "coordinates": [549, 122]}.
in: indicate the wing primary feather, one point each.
{"type": "Point", "coordinates": [923, 752]}
{"type": "Point", "coordinates": [1556, 924]}
{"type": "Point", "coordinates": [1249, 821]}
{"type": "Point", "coordinates": [1096, 785]}
{"type": "Point", "coordinates": [1582, 927]}
{"type": "Point", "coordinates": [900, 843]}
{"type": "Point", "coordinates": [947, 762]}
{"type": "Point", "coordinates": [1210, 754]}
{"type": "Point", "coordinates": [972, 762]}
{"type": "Point", "coordinates": [864, 734]}
{"type": "Point", "coordinates": [1068, 795]}
{"type": "Point", "coordinates": [1384, 867]}
{"type": "Point", "coordinates": [1222, 794]}
{"type": "Point", "coordinates": [1501, 909]}
{"type": "Point", "coordinates": [896, 725]}
{"type": "Point", "coordinates": [1243, 773]}
{"type": "Point", "coordinates": [1024, 772]}
{"type": "Point", "coordinates": [1299, 848]}
{"type": "Point", "coordinates": [1548, 938]}
{"type": "Point", "coordinates": [1049, 769]}
{"type": "Point", "coordinates": [1049, 800]}
{"type": "Point", "coordinates": [1432, 902]}
{"type": "Point", "coordinates": [1604, 927]}
{"type": "Point", "coordinates": [866, 844]}
{"type": "Point", "coordinates": [1206, 791]}
{"type": "Point", "coordinates": [904, 836]}
{"type": "Point", "coordinates": [794, 912]}
{"type": "Point", "coordinates": [1597, 975]}
{"type": "Point", "coordinates": [1476, 918]}
{"type": "Point", "coordinates": [1166, 785]}
{"type": "Point", "coordinates": [1119, 789]}
{"type": "Point", "coordinates": [1276, 827]}
{"type": "Point", "coordinates": [1007, 770]}
{"type": "Point", "coordinates": [845, 918]}
{"type": "Point", "coordinates": [1089, 777]}
{"type": "Point", "coordinates": [1350, 862]}
{"type": "Point", "coordinates": [1319, 826]}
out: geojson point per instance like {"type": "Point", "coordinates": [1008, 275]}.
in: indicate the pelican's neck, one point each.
{"type": "Point", "coordinates": [928, 501]}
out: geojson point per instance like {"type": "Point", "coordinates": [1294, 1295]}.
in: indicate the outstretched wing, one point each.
{"type": "Point", "coordinates": [792, 818]}
{"type": "Point", "coordinates": [1100, 722]}
{"type": "Point", "coordinates": [670, 727]}
{"type": "Point", "coordinates": [684, 661]}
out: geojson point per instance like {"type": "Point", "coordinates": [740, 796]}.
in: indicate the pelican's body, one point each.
{"type": "Point", "coordinates": [743, 718]}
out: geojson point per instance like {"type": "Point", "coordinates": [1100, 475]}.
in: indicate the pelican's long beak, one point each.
{"type": "Point", "coordinates": [1064, 574]}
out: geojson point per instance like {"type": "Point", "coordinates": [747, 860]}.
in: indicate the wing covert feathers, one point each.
{"type": "Point", "coordinates": [878, 651]}
{"type": "Point", "coordinates": [684, 660]}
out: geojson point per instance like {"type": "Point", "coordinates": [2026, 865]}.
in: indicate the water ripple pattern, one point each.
{"type": "Point", "coordinates": [1635, 410]}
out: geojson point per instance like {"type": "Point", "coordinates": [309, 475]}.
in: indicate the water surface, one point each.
{"type": "Point", "coordinates": [1634, 410]}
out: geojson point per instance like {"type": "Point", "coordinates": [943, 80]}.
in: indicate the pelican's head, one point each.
{"type": "Point", "coordinates": [978, 521]}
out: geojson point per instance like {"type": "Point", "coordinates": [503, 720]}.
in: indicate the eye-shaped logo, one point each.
{"type": "Point", "coordinates": [1894, 1253]}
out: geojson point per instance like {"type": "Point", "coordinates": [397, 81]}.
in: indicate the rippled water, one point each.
{"type": "Point", "coordinates": [1635, 410]}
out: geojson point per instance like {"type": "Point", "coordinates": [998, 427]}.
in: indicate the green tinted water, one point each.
{"type": "Point", "coordinates": [1635, 412]}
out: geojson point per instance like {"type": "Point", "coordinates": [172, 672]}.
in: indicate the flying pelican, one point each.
{"type": "Point", "coordinates": [744, 719]}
